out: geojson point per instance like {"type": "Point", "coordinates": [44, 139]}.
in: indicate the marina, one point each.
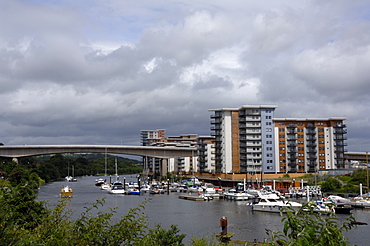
{"type": "Point", "coordinates": [194, 218]}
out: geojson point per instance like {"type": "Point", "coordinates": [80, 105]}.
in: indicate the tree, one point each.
{"type": "Point", "coordinates": [331, 185]}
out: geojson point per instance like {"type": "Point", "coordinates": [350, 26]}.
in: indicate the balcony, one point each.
{"type": "Point", "coordinates": [340, 137]}
{"type": "Point", "coordinates": [311, 138]}
{"type": "Point", "coordinates": [290, 150]}
{"type": "Point", "coordinates": [291, 131]}
{"type": "Point", "coordinates": [251, 119]}
{"type": "Point", "coordinates": [340, 125]}
{"type": "Point", "coordinates": [291, 138]}
{"type": "Point", "coordinates": [340, 143]}
{"type": "Point", "coordinates": [216, 127]}
{"type": "Point", "coordinates": [291, 125]}
{"type": "Point", "coordinates": [216, 121]}
{"type": "Point", "coordinates": [292, 144]}
{"type": "Point", "coordinates": [311, 150]}
{"type": "Point", "coordinates": [311, 144]}
{"type": "Point", "coordinates": [310, 132]}
{"type": "Point", "coordinates": [310, 157]}
{"type": "Point", "coordinates": [340, 131]}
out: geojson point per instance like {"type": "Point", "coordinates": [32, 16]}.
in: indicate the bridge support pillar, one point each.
{"type": "Point", "coordinates": [164, 166]}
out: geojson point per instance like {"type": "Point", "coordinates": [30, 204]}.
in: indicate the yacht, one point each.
{"type": "Point", "coordinates": [338, 200]}
{"type": "Point", "coordinates": [116, 188]}
{"type": "Point", "coordinates": [272, 203]}
{"type": "Point", "coordinates": [208, 188]}
{"type": "Point", "coordinates": [238, 194]}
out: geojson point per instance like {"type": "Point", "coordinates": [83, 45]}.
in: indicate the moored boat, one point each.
{"type": "Point", "coordinates": [272, 203]}
{"type": "Point", "coordinates": [116, 188]}
{"type": "Point", "coordinates": [99, 182]}
{"type": "Point", "coordinates": [360, 202]}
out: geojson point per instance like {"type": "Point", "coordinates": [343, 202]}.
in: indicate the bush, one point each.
{"type": "Point", "coordinates": [306, 227]}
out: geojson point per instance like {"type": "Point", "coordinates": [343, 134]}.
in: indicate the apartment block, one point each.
{"type": "Point", "coordinates": [244, 139]}
{"type": "Point", "coordinates": [206, 154]}
{"type": "Point", "coordinates": [148, 137]}
{"type": "Point", "coordinates": [310, 145]}
{"type": "Point", "coordinates": [200, 162]}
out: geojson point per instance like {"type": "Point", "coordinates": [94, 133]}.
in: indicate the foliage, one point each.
{"type": "Point", "coordinates": [359, 176]}
{"type": "Point", "coordinates": [92, 227]}
{"type": "Point", "coordinates": [331, 184]}
{"type": "Point", "coordinates": [209, 241]}
{"type": "Point", "coordinates": [306, 227]}
{"type": "Point", "coordinates": [54, 167]}
{"type": "Point", "coordinates": [19, 210]}
{"type": "Point", "coordinates": [344, 178]}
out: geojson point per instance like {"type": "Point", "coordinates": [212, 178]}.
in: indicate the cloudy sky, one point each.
{"type": "Point", "coordinates": [98, 72]}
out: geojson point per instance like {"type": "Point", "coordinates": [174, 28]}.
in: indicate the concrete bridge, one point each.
{"type": "Point", "coordinates": [35, 150]}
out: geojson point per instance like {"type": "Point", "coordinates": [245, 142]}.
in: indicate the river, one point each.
{"type": "Point", "coordinates": [194, 218]}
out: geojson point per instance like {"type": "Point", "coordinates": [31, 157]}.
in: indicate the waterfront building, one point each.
{"type": "Point", "coordinates": [148, 137]}
{"type": "Point", "coordinates": [250, 140]}
{"type": "Point", "coordinates": [181, 165]}
{"type": "Point", "coordinates": [310, 145]}
{"type": "Point", "coordinates": [206, 154]}
{"type": "Point", "coordinates": [244, 139]}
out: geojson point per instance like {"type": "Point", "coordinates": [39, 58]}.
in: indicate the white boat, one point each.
{"type": "Point", "coordinates": [360, 202]}
{"type": "Point", "coordinates": [208, 188]}
{"type": "Point", "coordinates": [195, 189]}
{"type": "Point", "coordinates": [237, 195]}
{"type": "Point", "coordinates": [105, 186]}
{"type": "Point", "coordinates": [338, 200]}
{"type": "Point", "coordinates": [99, 182]}
{"type": "Point", "coordinates": [272, 203]}
{"type": "Point", "coordinates": [116, 188]}
{"type": "Point", "coordinates": [68, 178]}
{"type": "Point", "coordinates": [322, 206]}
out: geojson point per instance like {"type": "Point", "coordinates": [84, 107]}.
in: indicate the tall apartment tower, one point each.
{"type": "Point", "coordinates": [244, 139]}
{"type": "Point", "coordinates": [309, 145]}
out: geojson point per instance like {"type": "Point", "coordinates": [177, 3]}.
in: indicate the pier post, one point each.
{"type": "Point", "coordinates": [224, 236]}
{"type": "Point", "coordinates": [223, 224]}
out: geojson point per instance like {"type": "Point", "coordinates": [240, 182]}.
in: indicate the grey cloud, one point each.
{"type": "Point", "coordinates": [171, 62]}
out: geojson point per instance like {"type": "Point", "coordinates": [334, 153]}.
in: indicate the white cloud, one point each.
{"type": "Point", "coordinates": [99, 72]}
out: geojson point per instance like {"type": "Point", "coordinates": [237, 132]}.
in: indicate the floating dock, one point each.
{"type": "Point", "coordinates": [201, 198]}
{"type": "Point", "coordinates": [192, 198]}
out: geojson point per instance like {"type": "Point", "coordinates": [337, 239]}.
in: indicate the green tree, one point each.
{"type": "Point", "coordinates": [331, 185]}
{"type": "Point", "coordinates": [359, 176]}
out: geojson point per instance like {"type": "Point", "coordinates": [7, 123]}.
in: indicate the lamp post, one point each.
{"type": "Point", "coordinates": [367, 173]}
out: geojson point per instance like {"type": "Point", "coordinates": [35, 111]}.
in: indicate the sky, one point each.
{"type": "Point", "coordinates": [99, 72]}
